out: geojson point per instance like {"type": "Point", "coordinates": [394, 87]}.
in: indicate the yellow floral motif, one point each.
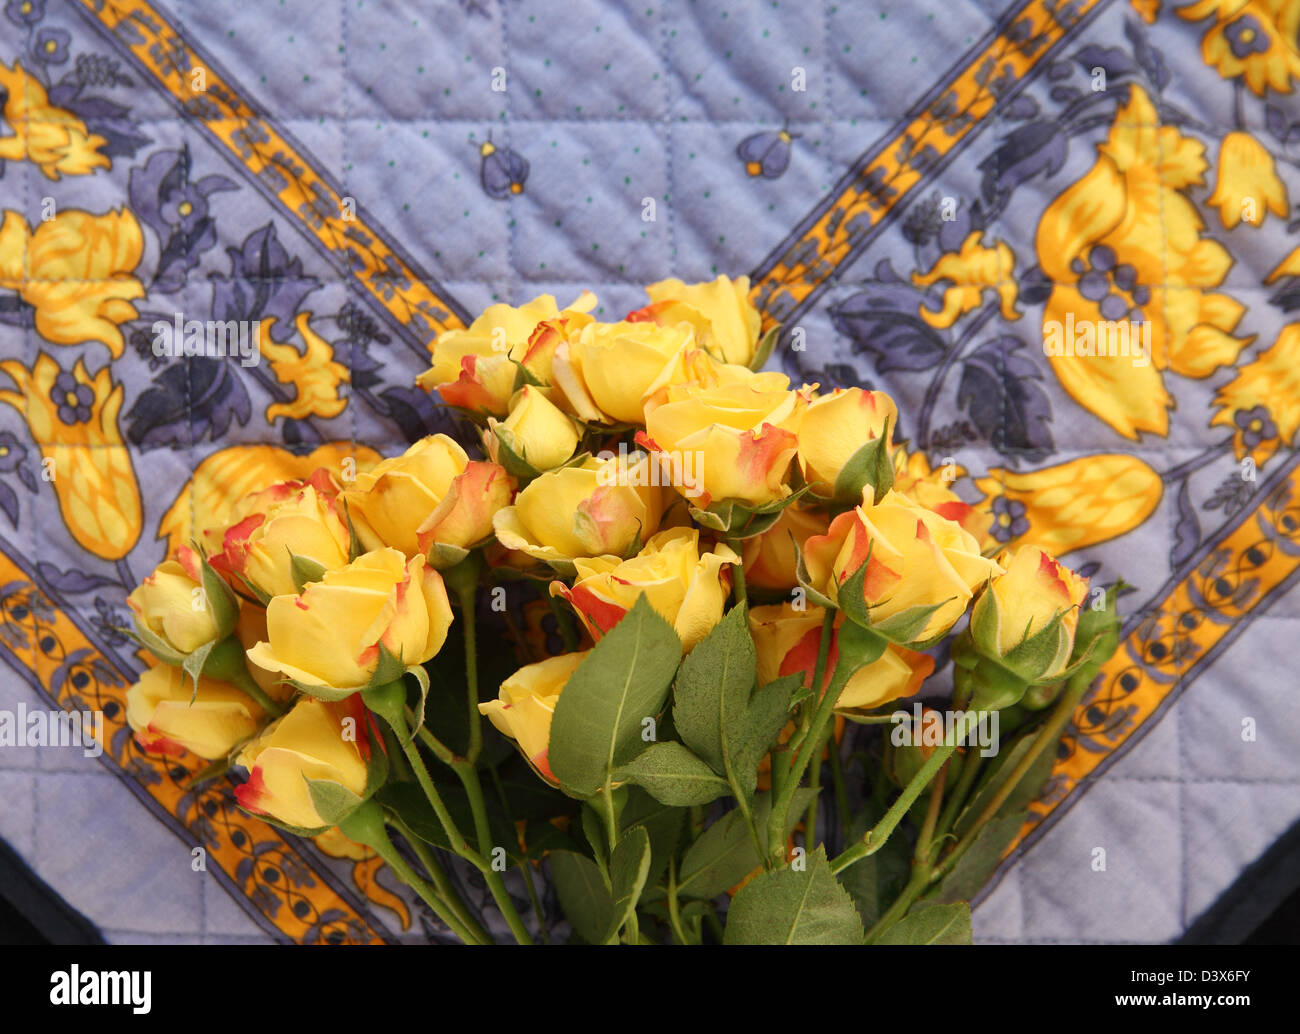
{"type": "Point", "coordinates": [225, 477]}
{"type": "Point", "coordinates": [55, 140]}
{"type": "Point", "coordinates": [1125, 241]}
{"type": "Point", "coordinates": [314, 372]}
{"type": "Point", "coordinates": [73, 420]}
{"type": "Point", "coordinates": [1262, 403]}
{"type": "Point", "coordinates": [1071, 505]}
{"type": "Point", "coordinates": [76, 271]}
{"type": "Point", "coordinates": [971, 270]}
{"type": "Point", "coordinates": [1254, 39]}
{"type": "Point", "coordinates": [1248, 183]}
{"type": "Point", "coordinates": [1147, 9]}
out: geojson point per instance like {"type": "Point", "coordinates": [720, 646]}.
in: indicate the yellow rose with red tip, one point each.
{"type": "Point", "coordinates": [537, 431]}
{"type": "Point", "coordinates": [913, 558]}
{"type": "Point", "coordinates": [318, 740]}
{"type": "Point", "coordinates": [787, 641]}
{"type": "Point", "coordinates": [591, 508]}
{"type": "Point", "coordinates": [526, 706]}
{"type": "Point", "coordinates": [271, 527]}
{"type": "Point", "coordinates": [739, 440]}
{"type": "Point", "coordinates": [432, 493]}
{"type": "Point", "coordinates": [170, 717]}
{"type": "Point", "coordinates": [687, 587]}
{"type": "Point", "coordinates": [171, 605]}
{"type": "Point", "coordinates": [725, 321]}
{"type": "Point", "coordinates": [606, 370]}
{"type": "Point", "coordinates": [328, 637]}
{"type": "Point", "coordinates": [474, 368]}
{"type": "Point", "coordinates": [1036, 595]}
{"type": "Point", "coordinates": [836, 427]}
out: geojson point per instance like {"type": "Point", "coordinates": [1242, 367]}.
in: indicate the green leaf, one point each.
{"type": "Point", "coordinates": [875, 881]}
{"type": "Point", "coordinates": [938, 924]}
{"type": "Point", "coordinates": [673, 775]}
{"type": "Point", "coordinates": [597, 722]}
{"type": "Point", "coordinates": [593, 828]}
{"type": "Point", "coordinates": [870, 467]}
{"type": "Point", "coordinates": [422, 679]}
{"type": "Point", "coordinates": [584, 897]}
{"type": "Point", "coordinates": [713, 688]}
{"type": "Point", "coordinates": [763, 350]}
{"type": "Point", "coordinates": [354, 541]}
{"type": "Point", "coordinates": [514, 461]}
{"type": "Point", "coordinates": [906, 626]}
{"type": "Point", "coordinates": [725, 853]}
{"type": "Point", "coordinates": [155, 644]}
{"type": "Point", "coordinates": [303, 569]}
{"type": "Point", "coordinates": [663, 822]}
{"type": "Point", "coordinates": [333, 801]}
{"type": "Point", "coordinates": [628, 867]}
{"type": "Point", "coordinates": [193, 665]}
{"type": "Point", "coordinates": [221, 599]}
{"type": "Point", "coordinates": [766, 715]}
{"type": "Point", "coordinates": [793, 907]}
{"type": "Point", "coordinates": [981, 860]}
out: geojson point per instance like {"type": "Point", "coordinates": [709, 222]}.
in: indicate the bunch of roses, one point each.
{"type": "Point", "coordinates": [646, 467]}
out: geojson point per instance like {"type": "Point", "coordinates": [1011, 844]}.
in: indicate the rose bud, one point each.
{"type": "Point", "coordinates": [527, 704]}
{"type": "Point", "coordinates": [328, 636]}
{"type": "Point", "coordinates": [171, 607]}
{"type": "Point", "coordinates": [318, 740]}
{"type": "Point", "coordinates": [913, 558]}
{"type": "Point", "coordinates": [770, 558]}
{"type": "Point", "coordinates": [836, 427]}
{"type": "Point", "coordinates": [686, 587]}
{"type": "Point", "coordinates": [169, 717]}
{"type": "Point", "coordinates": [431, 494]}
{"type": "Point", "coordinates": [536, 431]}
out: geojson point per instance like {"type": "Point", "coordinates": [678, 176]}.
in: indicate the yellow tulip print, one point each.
{"type": "Point", "coordinates": [73, 418]}
{"type": "Point", "coordinates": [54, 140]}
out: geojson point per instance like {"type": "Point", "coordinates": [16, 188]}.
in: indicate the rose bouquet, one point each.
{"type": "Point", "coordinates": [736, 576]}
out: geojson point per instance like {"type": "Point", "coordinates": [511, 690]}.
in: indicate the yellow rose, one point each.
{"type": "Point", "coordinates": [1248, 186]}
{"type": "Point", "coordinates": [270, 527]}
{"type": "Point", "coordinates": [527, 703]}
{"type": "Point", "coordinates": [329, 635]}
{"type": "Point", "coordinates": [725, 321]}
{"type": "Point", "coordinates": [686, 587]}
{"type": "Point", "coordinates": [317, 740]}
{"type": "Point", "coordinates": [165, 721]}
{"type": "Point", "coordinates": [432, 493]}
{"type": "Point", "coordinates": [593, 508]}
{"type": "Point", "coordinates": [170, 604]}
{"type": "Point", "coordinates": [536, 431]}
{"type": "Point", "coordinates": [770, 557]}
{"type": "Point", "coordinates": [1022, 602]}
{"type": "Point", "coordinates": [787, 641]}
{"type": "Point", "coordinates": [835, 427]}
{"type": "Point", "coordinates": [697, 367]}
{"type": "Point", "coordinates": [472, 367]}
{"type": "Point", "coordinates": [916, 559]}
{"type": "Point", "coordinates": [606, 370]}
{"type": "Point", "coordinates": [738, 439]}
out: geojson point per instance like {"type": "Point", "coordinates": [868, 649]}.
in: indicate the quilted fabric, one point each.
{"type": "Point", "coordinates": [919, 190]}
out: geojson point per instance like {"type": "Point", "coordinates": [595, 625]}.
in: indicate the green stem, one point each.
{"type": "Point", "coordinates": [474, 789]}
{"type": "Point", "coordinates": [819, 674]}
{"type": "Point", "coordinates": [1047, 735]}
{"type": "Point", "coordinates": [841, 790]}
{"type": "Point", "coordinates": [970, 770]}
{"type": "Point", "coordinates": [674, 910]}
{"type": "Point", "coordinates": [226, 663]}
{"type": "Point", "coordinates": [915, 888]}
{"type": "Point", "coordinates": [366, 826]}
{"type": "Point", "coordinates": [464, 578]}
{"type": "Point", "coordinates": [875, 838]}
{"type": "Point", "coordinates": [525, 866]}
{"type": "Point", "coordinates": [742, 596]}
{"type": "Point", "coordinates": [442, 883]}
